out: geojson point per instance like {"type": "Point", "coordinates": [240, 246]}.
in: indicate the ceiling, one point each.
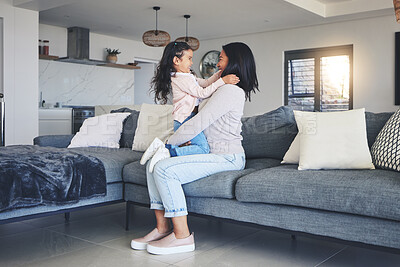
{"type": "Point", "coordinates": [209, 18]}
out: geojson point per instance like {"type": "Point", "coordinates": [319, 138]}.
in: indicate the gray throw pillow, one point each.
{"type": "Point", "coordinates": [269, 135]}
{"type": "Point", "coordinates": [128, 128]}
{"type": "Point", "coordinates": [375, 123]}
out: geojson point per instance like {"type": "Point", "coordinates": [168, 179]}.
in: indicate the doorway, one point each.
{"type": "Point", "coordinates": [2, 107]}
{"type": "Point", "coordinates": [143, 78]}
{"type": "Point", "coordinates": [1, 57]}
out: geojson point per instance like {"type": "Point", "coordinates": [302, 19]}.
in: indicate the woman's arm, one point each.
{"type": "Point", "coordinates": [221, 102]}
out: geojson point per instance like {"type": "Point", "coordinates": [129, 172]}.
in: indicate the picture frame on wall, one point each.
{"type": "Point", "coordinates": [397, 69]}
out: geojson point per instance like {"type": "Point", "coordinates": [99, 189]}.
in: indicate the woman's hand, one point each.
{"type": "Point", "coordinates": [231, 79]}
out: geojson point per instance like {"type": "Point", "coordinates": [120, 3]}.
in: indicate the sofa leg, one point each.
{"type": "Point", "coordinates": [67, 216]}
{"type": "Point", "coordinates": [293, 237]}
{"type": "Point", "coordinates": [127, 215]}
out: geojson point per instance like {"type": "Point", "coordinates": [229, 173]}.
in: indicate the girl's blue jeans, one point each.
{"type": "Point", "coordinates": [199, 144]}
{"type": "Point", "coordinates": [165, 183]}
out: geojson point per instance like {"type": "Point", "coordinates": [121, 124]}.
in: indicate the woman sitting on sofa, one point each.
{"type": "Point", "coordinates": [220, 119]}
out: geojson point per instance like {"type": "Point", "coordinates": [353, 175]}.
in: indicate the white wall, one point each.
{"type": "Point", "coordinates": [373, 40]}
{"type": "Point", "coordinates": [20, 73]}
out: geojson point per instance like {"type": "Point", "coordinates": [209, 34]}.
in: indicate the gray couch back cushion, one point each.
{"type": "Point", "coordinates": [269, 135]}
{"type": "Point", "coordinates": [129, 127]}
{"type": "Point", "coordinates": [375, 123]}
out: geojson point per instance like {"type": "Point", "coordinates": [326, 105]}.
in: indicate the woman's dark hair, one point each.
{"type": "Point", "coordinates": [161, 82]}
{"type": "Point", "coordinates": [241, 63]}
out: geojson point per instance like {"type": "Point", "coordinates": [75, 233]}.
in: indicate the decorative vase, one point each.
{"type": "Point", "coordinates": [112, 58]}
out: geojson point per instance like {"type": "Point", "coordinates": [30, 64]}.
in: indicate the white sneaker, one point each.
{"type": "Point", "coordinates": [161, 153]}
{"type": "Point", "coordinates": [151, 150]}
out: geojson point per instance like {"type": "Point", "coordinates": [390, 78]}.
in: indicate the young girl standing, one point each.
{"type": "Point", "coordinates": [174, 76]}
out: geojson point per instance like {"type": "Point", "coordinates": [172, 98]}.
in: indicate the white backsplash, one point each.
{"type": "Point", "coordinates": [85, 85]}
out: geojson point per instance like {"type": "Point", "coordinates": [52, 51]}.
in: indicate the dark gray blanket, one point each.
{"type": "Point", "coordinates": [33, 175]}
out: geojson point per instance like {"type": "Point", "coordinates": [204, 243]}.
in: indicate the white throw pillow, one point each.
{"type": "Point", "coordinates": [103, 131]}
{"type": "Point", "coordinates": [293, 154]}
{"type": "Point", "coordinates": [154, 121]}
{"type": "Point", "coordinates": [333, 140]}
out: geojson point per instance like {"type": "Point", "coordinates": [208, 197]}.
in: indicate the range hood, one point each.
{"type": "Point", "coordinates": [78, 47]}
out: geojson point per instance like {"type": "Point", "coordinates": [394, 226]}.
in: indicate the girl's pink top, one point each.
{"type": "Point", "coordinates": [186, 89]}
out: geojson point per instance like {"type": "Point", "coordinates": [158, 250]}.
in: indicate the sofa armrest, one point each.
{"type": "Point", "coordinates": [61, 141]}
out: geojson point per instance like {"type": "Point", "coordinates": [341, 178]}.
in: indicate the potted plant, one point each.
{"type": "Point", "coordinates": [112, 55]}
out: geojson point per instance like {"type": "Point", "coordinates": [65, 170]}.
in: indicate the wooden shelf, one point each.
{"type": "Point", "coordinates": [121, 66]}
{"type": "Point", "coordinates": [110, 65]}
{"type": "Point", "coordinates": [47, 57]}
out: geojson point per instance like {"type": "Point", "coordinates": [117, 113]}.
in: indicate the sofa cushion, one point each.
{"type": "Point", "coordinates": [153, 121]}
{"type": "Point", "coordinates": [364, 192]}
{"type": "Point", "coordinates": [375, 122]}
{"type": "Point", "coordinates": [134, 173]}
{"type": "Point", "coordinates": [221, 185]}
{"type": "Point", "coordinates": [262, 163]}
{"type": "Point", "coordinates": [386, 149]}
{"type": "Point", "coordinates": [60, 141]}
{"type": "Point", "coordinates": [269, 135]}
{"type": "Point", "coordinates": [129, 127]}
{"type": "Point", "coordinates": [217, 185]}
{"type": "Point", "coordinates": [113, 159]}
{"type": "Point", "coordinates": [333, 140]}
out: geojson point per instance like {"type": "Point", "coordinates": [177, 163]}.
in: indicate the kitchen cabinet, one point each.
{"type": "Point", "coordinates": [55, 121]}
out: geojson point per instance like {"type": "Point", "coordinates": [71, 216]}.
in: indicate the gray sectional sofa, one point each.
{"type": "Point", "coordinates": [351, 205]}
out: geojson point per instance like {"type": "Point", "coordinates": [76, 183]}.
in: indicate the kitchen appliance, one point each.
{"type": "Point", "coordinates": [79, 115]}
{"type": "Point", "coordinates": [78, 47]}
{"type": "Point", "coordinates": [2, 120]}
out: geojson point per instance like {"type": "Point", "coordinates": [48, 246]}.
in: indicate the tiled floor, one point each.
{"type": "Point", "coordinates": [96, 237]}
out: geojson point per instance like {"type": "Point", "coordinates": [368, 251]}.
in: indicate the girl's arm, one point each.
{"type": "Point", "coordinates": [189, 85]}
{"type": "Point", "coordinates": [218, 105]}
{"type": "Point", "coordinates": [209, 81]}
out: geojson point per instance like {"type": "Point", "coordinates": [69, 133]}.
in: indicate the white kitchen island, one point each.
{"type": "Point", "coordinates": [55, 121]}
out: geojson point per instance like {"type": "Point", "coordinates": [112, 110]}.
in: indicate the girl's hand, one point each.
{"type": "Point", "coordinates": [231, 79]}
{"type": "Point", "coordinates": [188, 143]}
{"type": "Point", "coordinates": [219, 73]}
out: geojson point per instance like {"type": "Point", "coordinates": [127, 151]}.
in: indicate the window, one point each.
{"type": "Point", "coordinates": [319, 79]}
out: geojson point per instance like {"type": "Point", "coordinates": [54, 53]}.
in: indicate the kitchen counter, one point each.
{"type": "Point", "coordinates": [51, 108]}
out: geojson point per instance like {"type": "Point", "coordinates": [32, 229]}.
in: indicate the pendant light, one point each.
{"type": "Point", "coordinates": [396, 4]}
{"type": "Point", "coordinates": [194, 43]}
{"type": "Point", "coordinates": [156, 38]}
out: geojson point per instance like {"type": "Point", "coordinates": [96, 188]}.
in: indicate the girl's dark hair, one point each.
{"type": "Point", "coordinates": [241, 63]}
{"type": "Point", "coordinates": [161, 82]}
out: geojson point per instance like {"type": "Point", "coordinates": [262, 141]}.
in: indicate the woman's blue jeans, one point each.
{"type": "Point", "coordinates": [199, 144]}
{"type": "Point", "coordinates": [165, 183]}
